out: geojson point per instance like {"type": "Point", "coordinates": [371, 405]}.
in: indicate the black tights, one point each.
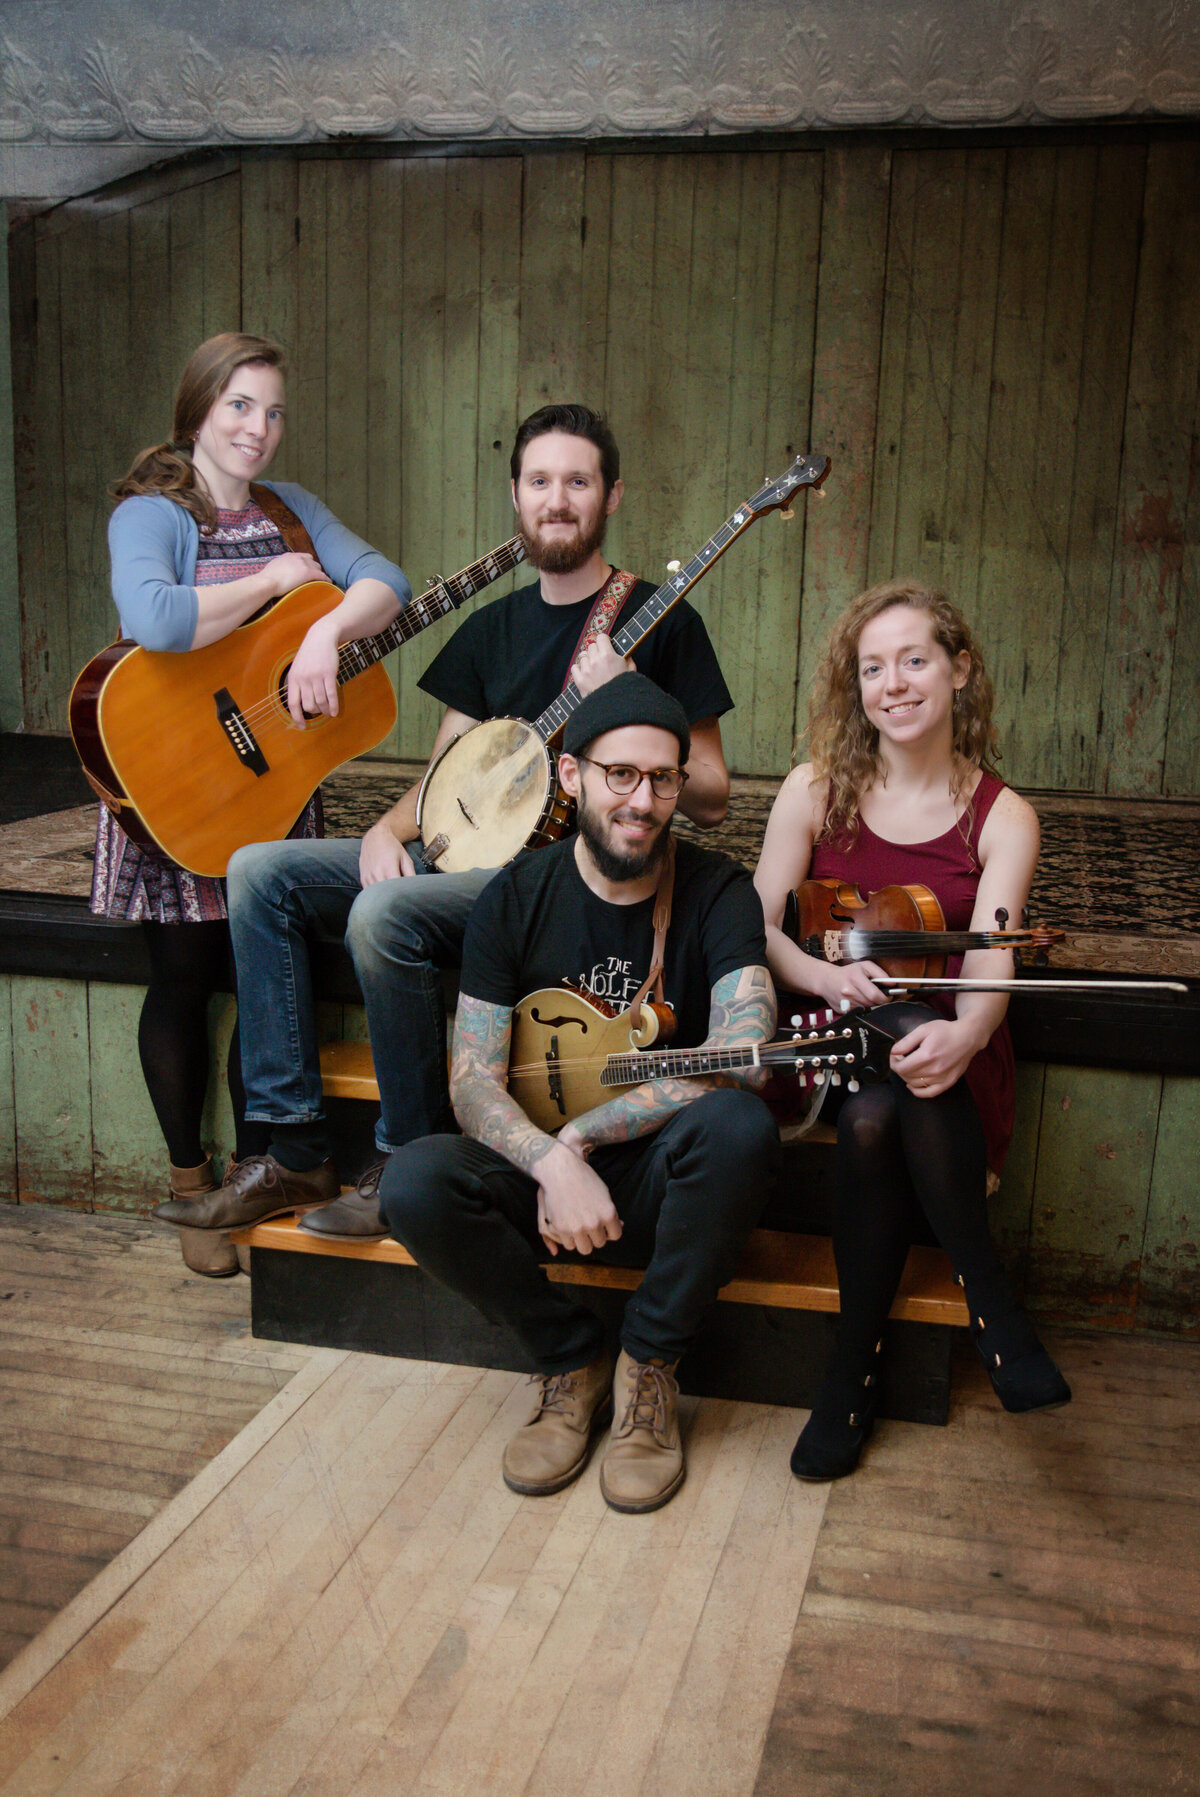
{"type": "Point", "coordinates": [188, 963]}
{"type": "Point", "coordinates": [900, 1156]}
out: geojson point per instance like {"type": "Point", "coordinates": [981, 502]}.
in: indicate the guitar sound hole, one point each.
{"type": "Point", "coordinates": [281, 692]}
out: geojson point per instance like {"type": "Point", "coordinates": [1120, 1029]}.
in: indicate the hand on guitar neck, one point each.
{"type": "Point", "coordinates": [312, 683]}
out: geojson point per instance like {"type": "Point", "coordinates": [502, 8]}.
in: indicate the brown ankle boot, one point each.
{"type": "Point", "coordinates": [553, 1446]}
{"type": "Point", "coordinates": [643, 1463]}
{"type": "Point", "coordinates": [206, 1251]}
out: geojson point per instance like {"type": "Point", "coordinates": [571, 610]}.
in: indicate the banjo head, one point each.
{"type": "Point", "coordinates": [486, 796]}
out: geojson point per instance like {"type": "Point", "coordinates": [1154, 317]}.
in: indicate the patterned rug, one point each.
{"type": "Point", "coordinates": [1121, 877]}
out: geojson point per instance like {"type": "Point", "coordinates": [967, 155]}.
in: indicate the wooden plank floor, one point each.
{"type": "Point", "coordinates": [347, 1602]}
{"type": "Point", "coordinates": [121, 1376]}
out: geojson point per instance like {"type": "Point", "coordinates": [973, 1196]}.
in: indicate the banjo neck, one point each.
{"type": "Point", "coordinates": [805, 471]}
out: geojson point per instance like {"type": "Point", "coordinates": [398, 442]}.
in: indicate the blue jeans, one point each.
{"type": "Point", "coordinates": [398, 932]}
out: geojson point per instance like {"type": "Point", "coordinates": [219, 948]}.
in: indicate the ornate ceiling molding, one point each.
{"type": "Point", "coordinates": [123, 72]}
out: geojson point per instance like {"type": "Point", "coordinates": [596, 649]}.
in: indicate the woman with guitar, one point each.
{"type": "Point", "coordinates": [196, 551]}
{"type": "Point", "coordinates": [900, 790]}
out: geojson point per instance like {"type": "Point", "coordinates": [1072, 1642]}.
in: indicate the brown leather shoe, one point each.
{"type": "Point", "coordinates": [255, 1189]}
{"type": "Point", "coordinates": [553, 1446]}
{"type": "Point", "coordinates": [206, 1251]}
{"type": "Point", "coordinates": [643, 1463]}
{"type": "Point", "coordinates": [355, 1213]}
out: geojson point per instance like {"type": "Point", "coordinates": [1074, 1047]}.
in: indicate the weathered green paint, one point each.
{"type": "Point", "coordinates": [8, 1121]}
{"type": "Point", "coordinates": [52, 1092]}
{"type": "Point", "coordinates": [1095, 1156]}
{"type": "Point", "coordinates": [1156, 480]}
{"type": "Point", "coordinates": [997, 345]}
{"type": "Point", "coordinates": [216, 1130]}
{"type": "Point", "coordinates": [846, 361]}
{"type": "Point", "coordinates": [12, 707]}
{"type": "Point", "coordinates": [1170, 1291]}
{"type": "Point", "coordinates": [129, 1159]}
{"type": "Point", "coordinates": [1096, 1212]}
{"type": "Point", "coordinates": [1010, 1210]}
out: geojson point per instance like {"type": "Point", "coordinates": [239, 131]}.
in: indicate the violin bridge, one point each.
{"type": "Point", "coordinates": [834, 949]}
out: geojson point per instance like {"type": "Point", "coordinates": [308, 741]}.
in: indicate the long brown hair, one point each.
{"type": "Point", "coordinates": [844, 747]}
{"type": "Point", "coordinates": [167, 468]}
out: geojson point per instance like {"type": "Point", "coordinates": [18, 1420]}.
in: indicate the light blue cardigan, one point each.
{"type": "Point", "coordinates": [153, 544]}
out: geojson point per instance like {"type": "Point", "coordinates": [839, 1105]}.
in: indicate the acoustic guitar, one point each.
{"type": "Point", "coordinates": [197, 754]}
{"type": "Point", "coordinates": [570, 1052]}
{"type": "Point", "coordinates": [494, 790]}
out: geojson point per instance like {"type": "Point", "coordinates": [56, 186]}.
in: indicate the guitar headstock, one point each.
{"type": "Point", "coordinates": [806, 471]}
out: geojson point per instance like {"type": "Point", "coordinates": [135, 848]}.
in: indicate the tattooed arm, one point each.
{"type": "Point", "coordinates": [742, 1010]}
{"type": "Point", "coordinates": [574, 1207]}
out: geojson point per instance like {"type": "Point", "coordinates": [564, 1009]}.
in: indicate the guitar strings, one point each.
{"type": "Point", "coordinates": [569, 1063]}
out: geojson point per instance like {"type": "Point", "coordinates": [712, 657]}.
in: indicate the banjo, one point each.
{"type": "Point", "coordinates": [494, 790]}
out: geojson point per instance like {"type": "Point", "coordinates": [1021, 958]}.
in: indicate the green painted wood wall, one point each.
{"type": "Point", "coordinates": [998, 343]}
{"type": "Point", "coordinates": [11, 705]}
{"type": "Point", "coordinates": [1097, 1211]}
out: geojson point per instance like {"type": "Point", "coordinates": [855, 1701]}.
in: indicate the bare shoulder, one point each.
{"type": "Point", "coordinates": [1011, 823]}
{"type": "Point", "coordinates": [804, 790]}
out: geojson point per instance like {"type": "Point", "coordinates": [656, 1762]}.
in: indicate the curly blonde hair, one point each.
{"type": "Point", "coordinates": [844, 747]}
{"type": "Point", "coordinates": [167, 468]}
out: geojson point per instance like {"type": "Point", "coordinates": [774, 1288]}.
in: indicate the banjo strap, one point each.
{"type": "Point", "coordinates": [603, 615]}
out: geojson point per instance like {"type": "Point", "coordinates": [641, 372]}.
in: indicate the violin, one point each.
{"type": "Point", "coordinates": [901, 928]}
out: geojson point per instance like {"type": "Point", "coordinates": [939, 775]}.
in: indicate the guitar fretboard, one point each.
{"type": "Point", "coordinates": [436, 602]}
{"type": "Point", "coordinates": [837, 1048]}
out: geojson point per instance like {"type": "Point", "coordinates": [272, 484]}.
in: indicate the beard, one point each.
{"type": "Point", "coordinates": [611, 863]}
{"type": "Point", "coordinates": [562, 555]}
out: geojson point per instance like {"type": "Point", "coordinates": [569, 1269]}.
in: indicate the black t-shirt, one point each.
{"type": "Point", "coordinates": [537, 924]}
{"type": "Point", "coordinates": [510, 658]}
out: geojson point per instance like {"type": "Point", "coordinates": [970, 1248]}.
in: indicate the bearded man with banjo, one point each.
{"type": "Point", "coordinates": [671, 1173]}
{"type": "Point", "coordinates": [404, 919]}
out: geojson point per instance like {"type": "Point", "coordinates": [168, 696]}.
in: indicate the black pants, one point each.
{"type": "Point", "coordinates": [688, 1198]}
{"type": "Point", "coordinates": [901, 1156]}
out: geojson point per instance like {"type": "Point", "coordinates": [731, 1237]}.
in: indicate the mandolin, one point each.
{"type": "Point", "coordinates": [494, 790]}
{"type": "Point", "coordinates": [196, 754]}
{"type": "Point", "coordinates": [570, 1052]}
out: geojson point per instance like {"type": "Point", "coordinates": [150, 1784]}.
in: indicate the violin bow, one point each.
{"type": "Point", "coordinates": [888, 984]}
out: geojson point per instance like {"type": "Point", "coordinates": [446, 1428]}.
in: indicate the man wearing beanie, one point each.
{"type": "Point", "coordinates": [670, 1175]}
{"type": "Point", "coordinates": [403, 922]}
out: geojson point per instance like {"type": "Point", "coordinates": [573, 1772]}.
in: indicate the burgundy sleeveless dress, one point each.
{"type": "Point", "coordinates": [949, 866]}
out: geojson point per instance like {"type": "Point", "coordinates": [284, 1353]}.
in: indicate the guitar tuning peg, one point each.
{"type": "Point", "coordinates": [786, 517]}
{"type": "Point", "coordinates": [852, 1085]}
{"type": "Point", "coordinates": [674, 566]}
{"type": "Point", "coordinates": [835, 1079]}
{"type": "Point", "coordinates": [818, 493]}
{"type": "Point", "coordinates": [1001, 918]}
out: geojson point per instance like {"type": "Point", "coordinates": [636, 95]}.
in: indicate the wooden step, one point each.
{"type": "Point", "coordinates": [347, 1071]}
{"type": "Point", "coordinates": [791, 1272]}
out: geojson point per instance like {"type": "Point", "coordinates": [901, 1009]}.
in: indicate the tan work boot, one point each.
{"type": "Point", "coordinates": [553, 1446]}
{"type": "Point", "coordinates": [206, 1251]}
{"type": "Point", "coordinates": [643, 1463]}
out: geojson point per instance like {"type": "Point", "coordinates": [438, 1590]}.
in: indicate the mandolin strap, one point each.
{"type": "Point", "coordinates": [284, 519]}
{"type": "Point", "coordinates": [603, 615]}
{"type": "Point", "coordinates": [662, 917]}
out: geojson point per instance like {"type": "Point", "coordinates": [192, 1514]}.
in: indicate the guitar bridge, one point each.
{"type": "Point", "coordinates": [240, 735]}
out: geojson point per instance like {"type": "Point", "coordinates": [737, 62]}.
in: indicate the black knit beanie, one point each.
{"type": "Point", "coordinates": [629, 699]}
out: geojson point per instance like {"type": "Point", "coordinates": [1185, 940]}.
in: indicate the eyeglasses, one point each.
{"type": "Point", "coordinates": [665, 782]}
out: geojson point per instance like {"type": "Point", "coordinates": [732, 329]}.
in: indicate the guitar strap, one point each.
{"type": "Point", "coordinates": [285, 520]}
{"type": "Point", "coordinates": [603, 615]}
{"type": "Point", "coordinates": [662, 917]}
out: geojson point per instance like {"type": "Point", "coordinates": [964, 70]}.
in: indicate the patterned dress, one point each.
{"type": "Point", "coordinates": [134, 883]}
